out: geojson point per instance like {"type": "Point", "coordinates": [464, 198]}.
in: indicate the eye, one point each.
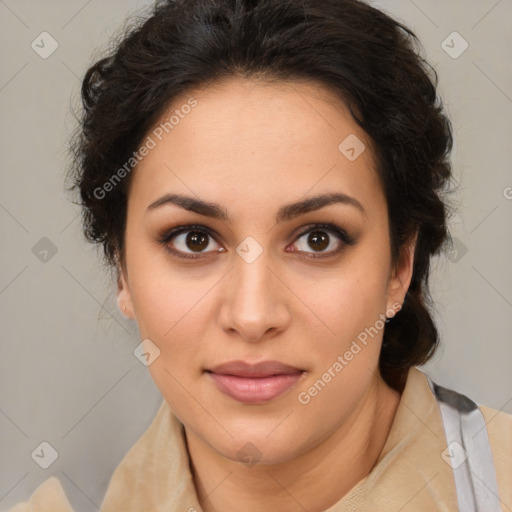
{"type": "Point", "coordinates": [324, 240]}
{"type": "Point", "coordinates": [198, 241]}
{"type": "Point", "coordinates": [190, 241]}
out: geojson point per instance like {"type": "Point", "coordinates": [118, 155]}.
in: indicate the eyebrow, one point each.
{"type": "Point", "coordinates": [285, 213]}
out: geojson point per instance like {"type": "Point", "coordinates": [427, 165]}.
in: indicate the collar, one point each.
{"type": "Point", "coordinates": [156, 474]}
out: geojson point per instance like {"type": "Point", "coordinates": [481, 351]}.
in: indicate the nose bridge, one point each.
{"type": "Point", "coordinates": [253, 304]}
{"type": "Point", "coordinates": [252, 280]}
{"type": "Point", "coordinates": [251, 266]}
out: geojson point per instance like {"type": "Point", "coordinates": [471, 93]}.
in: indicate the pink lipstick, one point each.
{"type": "Point", "coordinates": [254, 383]}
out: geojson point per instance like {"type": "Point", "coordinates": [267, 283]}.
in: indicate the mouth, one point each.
{"type": "Point", "coordinates": [254, 383]}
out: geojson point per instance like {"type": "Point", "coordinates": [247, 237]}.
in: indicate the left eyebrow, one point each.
{"type": "Point", "coordinates": [285, 213]}
{"type": "Point", "coordinates": [293, 210]}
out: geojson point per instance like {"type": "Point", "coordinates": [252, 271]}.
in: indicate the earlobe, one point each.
{"type": "Point", "coordinates": [401, 279]}
{"type": "Point", "coordinates": [124, 300]}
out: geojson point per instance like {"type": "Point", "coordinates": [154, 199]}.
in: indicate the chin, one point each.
{"type": "Point", "coordinates": [260, 451]}
{"type": "Point", "coordinates": [258, 442]}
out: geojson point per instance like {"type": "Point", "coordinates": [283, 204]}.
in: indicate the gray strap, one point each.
{"type": "Point", "coordinates": [468, 451]}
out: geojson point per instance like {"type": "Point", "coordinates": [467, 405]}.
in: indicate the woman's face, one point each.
{"type": "Point", "coordinates": [284, 256]}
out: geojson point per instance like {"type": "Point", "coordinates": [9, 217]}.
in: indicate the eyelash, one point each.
{"type": "Point", "coordinates": [168, 235]}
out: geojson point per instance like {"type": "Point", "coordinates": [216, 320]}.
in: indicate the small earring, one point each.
{"type": "Point", "coordinates": [389, 318]}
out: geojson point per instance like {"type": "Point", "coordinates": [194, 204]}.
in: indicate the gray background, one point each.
{"type": "Point", "coordinates": [67, 372]}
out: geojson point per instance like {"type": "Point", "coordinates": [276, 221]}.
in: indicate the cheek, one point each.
{"type": "Point", "coordinates": [171, 310]}
{"type": "Point", "coordinates": [347, 355]}
{"type": "Point", "coordinates": [166, 297]}
{"type": "Point", "coordinates": [162, 311]}
{"type": "Point", "coordinates": [348, 301]}
{"type": "Point", "coordinates": [173, 316]}
{"type": "Point", "coordinates": [175, 322]}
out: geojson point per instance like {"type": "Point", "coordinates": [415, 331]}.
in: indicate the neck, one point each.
{"type": "Point", "coordinates": [315, 480]}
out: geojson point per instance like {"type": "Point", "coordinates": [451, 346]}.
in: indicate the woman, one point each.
{"type": "Point", "coordinates": [267, 179]}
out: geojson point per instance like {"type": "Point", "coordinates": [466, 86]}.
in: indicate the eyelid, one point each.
{"type": "Point", "coordinates": [171, 233]}
{"type": "Point", "coordinates": [332, 228]}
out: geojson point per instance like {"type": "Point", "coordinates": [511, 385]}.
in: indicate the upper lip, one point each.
{"type": "Point", "coordinates": [262, 369]}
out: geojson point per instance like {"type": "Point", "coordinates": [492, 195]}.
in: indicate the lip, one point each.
{"type": "Point", "coordinates": [254, 383]}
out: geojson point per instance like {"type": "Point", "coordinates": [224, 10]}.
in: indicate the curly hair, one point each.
{"type": "Point", "coordinates": [373, 63]}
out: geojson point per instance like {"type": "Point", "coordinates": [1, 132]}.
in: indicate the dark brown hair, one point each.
{"type": "Point", "coordinates": [371, 61]}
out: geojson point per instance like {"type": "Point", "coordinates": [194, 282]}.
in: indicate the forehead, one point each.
{"type": "Point", "coordinates": [272, 139]}
{"type": "Point", "coordinates": [250, 112]}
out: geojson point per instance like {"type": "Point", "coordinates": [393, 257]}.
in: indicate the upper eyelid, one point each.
{"type": "Point", "coordinates": [338, 232]}
{"type": "Point", "coordinates": [179, 230]}
{"type": "Point", "coordinates": [324, 227]}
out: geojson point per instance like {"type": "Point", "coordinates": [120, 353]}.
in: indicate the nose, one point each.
{"type": "Point", "coordinates": [254, 303]}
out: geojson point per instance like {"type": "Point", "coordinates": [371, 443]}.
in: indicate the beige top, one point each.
{"type": "Point", "coordinates": [410, 475]}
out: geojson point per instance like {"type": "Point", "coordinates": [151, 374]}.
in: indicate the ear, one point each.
{"type": "Point", "coordinates": [124, 298]}
{"type": "Point", "coordinates": [401, 276]}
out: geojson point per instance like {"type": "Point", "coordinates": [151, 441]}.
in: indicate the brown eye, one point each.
{"type": "Point", "coordinates": [190, 243]}
{"type": "Point", "coordinates": [322, 240]}
{"type": "Point", "coordinates": [318, 240]}
{"type": "Point", "coordinates": [197, 241]}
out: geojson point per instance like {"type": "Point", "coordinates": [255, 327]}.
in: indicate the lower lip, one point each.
{"type": "Point", "coordinates": [255, 390]}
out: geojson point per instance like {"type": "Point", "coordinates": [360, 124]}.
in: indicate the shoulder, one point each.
{"type": "Point", "coordinates": [142, 479]}
{"type": "Point", "coordinates": [498, 423]}
{"type": "Point", "coordinates": [48, 497]}
{"type": "Point", "coordinates": [499, 429]}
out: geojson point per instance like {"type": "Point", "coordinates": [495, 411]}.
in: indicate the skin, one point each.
{"type": "Point", "coordinates": [252, 147]}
